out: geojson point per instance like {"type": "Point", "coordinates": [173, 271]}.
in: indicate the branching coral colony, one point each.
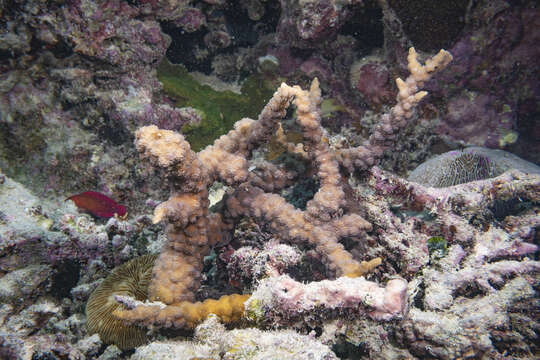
{"type": "Point", "coordinates": [192, 229]}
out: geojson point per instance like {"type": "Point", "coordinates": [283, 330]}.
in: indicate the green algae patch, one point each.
{"type": "Point", "coordinates": [220, 109]}
{"type": "Point", "coordinates": [329, 108]}
{"type": "Point", "coordinates": [254, 311]}
{"type": "Point", "coordinates": [437, 247]}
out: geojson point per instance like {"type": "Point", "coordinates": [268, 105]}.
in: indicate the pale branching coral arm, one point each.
{"type": "Point", "coordinates": [192, 230]}
{"type": "Point", "coordinates": [366, 155]}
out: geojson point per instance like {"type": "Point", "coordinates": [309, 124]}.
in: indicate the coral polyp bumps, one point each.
{"type": "Point", "coordinates": [386, 222]}
{"type": "Point", "coordinates": [192, 229]}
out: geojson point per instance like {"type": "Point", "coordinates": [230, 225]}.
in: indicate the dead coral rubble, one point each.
{"type": "Point", "coordinates": [469, 301]}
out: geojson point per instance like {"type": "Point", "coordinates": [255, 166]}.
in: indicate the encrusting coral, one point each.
{"type": "Point", "coordinates": [192, 230]}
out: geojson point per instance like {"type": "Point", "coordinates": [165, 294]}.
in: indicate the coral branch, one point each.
{"type": "Point", "coordinates": [229, 308]}
{"type": "Point", "coordinates": [192, 230]}
{"type": "Point", "coordinates": [409, 95]}
{"type": "Point", "coordinates": [282, 299]}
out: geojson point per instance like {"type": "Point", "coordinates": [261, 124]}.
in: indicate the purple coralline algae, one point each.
{"type": "Point", "coordinates": [106, 30]}
{"type": "Point", "coordinates": [308, 23]}
{"type": "Point", "coordinates": [493, 102]}
{"type": "Point", "coordinates": [67, 101]}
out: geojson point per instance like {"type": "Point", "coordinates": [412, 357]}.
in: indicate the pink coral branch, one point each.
{"type": "Point", "coordinates": [282, 299]}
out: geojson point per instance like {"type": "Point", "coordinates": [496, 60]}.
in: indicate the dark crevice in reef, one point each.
{"type": "Point", "coordinates": [431, 25]}
{"type": "Point", "coordinates": [302, 192]}
{"type": "Point", "coordinates": [183, 46]}
{"type": "Point", "coordinates": [528, 128]}
{"type": "Point", "coordinates": [246, 32]}
{"type": "Point", "coordinates": [510, 207]}
{"type": "Point", "coordinates": [366, 26]}
{"type": "Point", "coordinates": [116, 135]}
{"type": "Point", "coordinates": [243, 32]}
{"type": "Point", "coordinates": [347, 350]}
{"type": "Point", "coordinates": [418, 299]}
{"type": "Point", "coordinates": [66, 277]}
{"type": "Point", "coordinates": [469, 291]}
{"type": "Point", "coordinates": [60, 49]}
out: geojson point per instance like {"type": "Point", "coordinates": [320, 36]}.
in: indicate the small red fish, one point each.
{"type": "Point", "coordinates": [97, 204]}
